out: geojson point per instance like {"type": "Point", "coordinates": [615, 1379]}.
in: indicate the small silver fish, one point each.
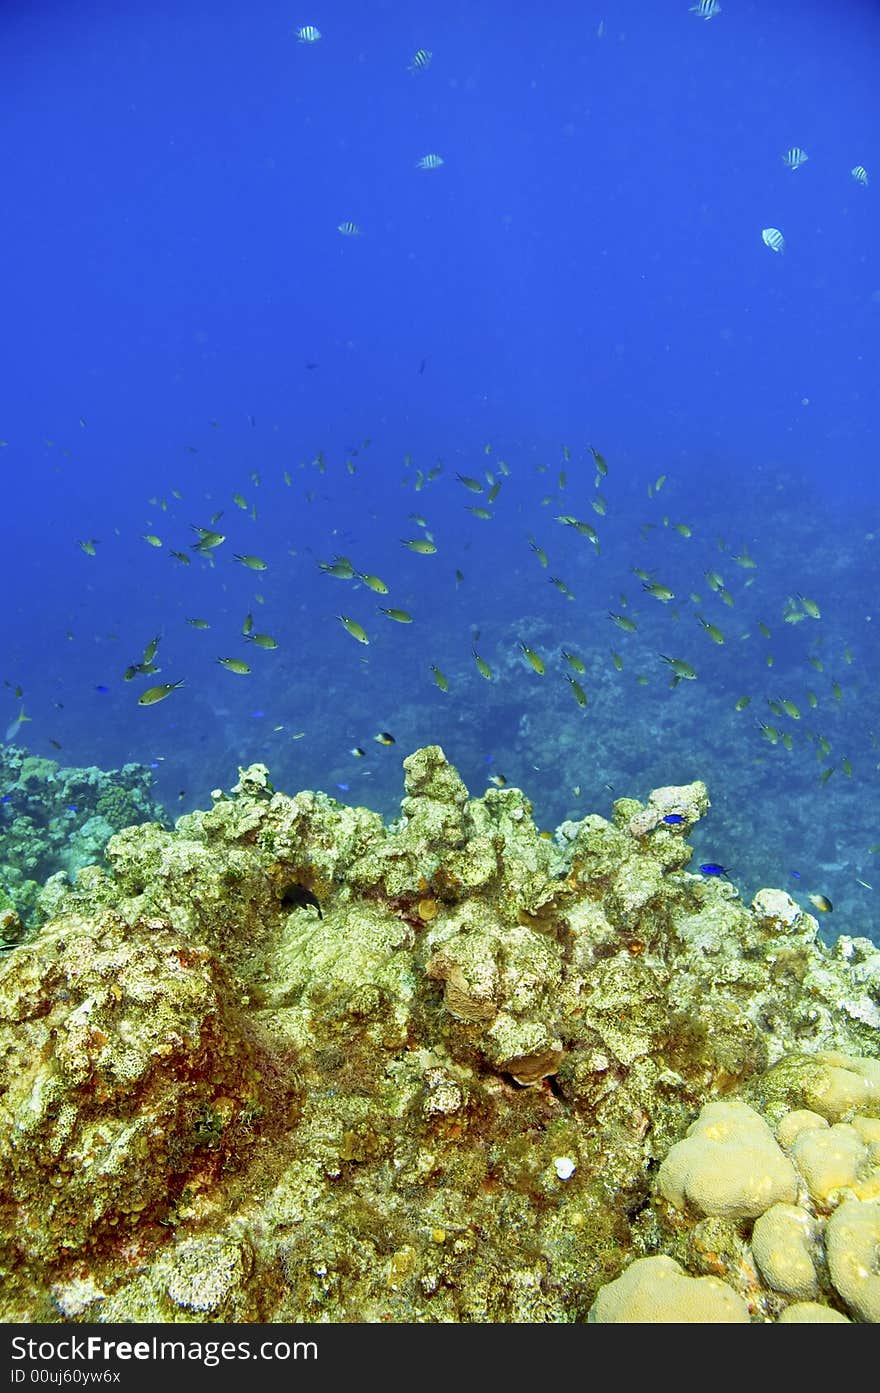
{"type": "Point", "coordinates": [429, 162]}
{"type": "Point", "coordinates": [706, 9]}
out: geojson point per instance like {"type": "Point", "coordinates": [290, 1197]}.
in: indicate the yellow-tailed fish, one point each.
{"type": "Point", "coordinates": [151, 650]}
{"type": "Point", "coordinates": [384, 737]}
{"type": "Point", "coordinates": [617, 660]}
{"type": "Point", "coordinates": [89, 544]}
{"type": "Point", "coordinates": [810, 606]}
{"type": "Point", "coordinates": [199, 623]}
{"type": "Point", "coordinates": [682, 529]}
{"type": "Point", "coordinates": [152, 539]}
{"type": "Point", "coordinates": [421, 545]}
{"type": "Point", "coordinates": [207, 538]}
{"type": "Point", "coordinates": [629, 626]}
{"type": "Point", "coordinates": [712, 630]}
{"type": "Point", "coordinates": [836, 691]}
{"type": "Point", "coordinates": [248, 624]}
{"type": "Point", "coordinates": [263, 640]}
{"type": "Point", "coordinates": [659, 591]}
{"type": "Point", "coordinates": [580, 695]}
{"type": "Point", "coordinates": [479, 512]}
{"type": "Point", "coordinates": [154, 694]}
{"type": "Point", "coordinates": [741, 703]}
{"type": "Point", "coordinates": [234, 665]}
{"type": "Point", "coordinates": [601, 466]}
{"type": "Point", "coordinates": [374, 583]}
{"type": "Point", "coordinates": [353, 627]}
{"type": "Point", "coordinates": [239, 501]}
{"type": "Point", "coordinates": [253, 563]}
{"type": "Point", "coordinates": [532, 658]}
{"type": "Point", "coordinates": [744, 560]}
{"type": "Point", "coordinates": [482, 666]}
{"type": "Point", "coordinates": [400, 615]}
{"type": "Point", "coordinates": [440, 678]}
{"type": "Point", "coordinates": [539, 551]}
{"type": "Point", "coordinates": [574, 662]}
{"type": "Point", "coordinates": [790, 709]}
{"type": "Point", "coordinates": [714, 579]}
{"type": "Point", "coordinates": [599, 505]}
{"type": "Point", "coordinates": [846, 767]}
{"type": "Point", "coordinates": [762, 628]}
{"type": "Point", "coordinates": [340, 567]}
{"type": "Point", "coordinates": [470, 483]}
{"type": "Point", "coordinates": [680, 667]}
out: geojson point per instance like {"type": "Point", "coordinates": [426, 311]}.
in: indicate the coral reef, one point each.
{"type": "Point", "coordinates": [286, 1062]}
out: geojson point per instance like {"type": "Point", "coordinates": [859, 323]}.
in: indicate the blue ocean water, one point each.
{"type": "Point", "coordinates": [584, 271]}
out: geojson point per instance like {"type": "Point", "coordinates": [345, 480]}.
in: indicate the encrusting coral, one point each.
{"type": "Point", "coordinates": [287, 1063]}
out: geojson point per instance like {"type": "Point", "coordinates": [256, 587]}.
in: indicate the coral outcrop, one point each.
{"type": "Point", "coordinates": [287, 1063]}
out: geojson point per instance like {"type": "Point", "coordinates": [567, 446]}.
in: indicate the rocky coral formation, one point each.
{"type": "Point", "coordinates": [288, 1063]}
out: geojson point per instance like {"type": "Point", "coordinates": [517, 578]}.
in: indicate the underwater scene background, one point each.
{"type": "Point", "coordinates": [489, 279]}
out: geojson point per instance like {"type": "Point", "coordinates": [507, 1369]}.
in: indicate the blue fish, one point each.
{"type": "Point", "coordinates": [712, 868]}
{"type": "Point", "coordinates": [72, 808]}
{"type": "Point", "coordinates": [101, 687]}
{"type": "Point", "coordinates": [673, 819]}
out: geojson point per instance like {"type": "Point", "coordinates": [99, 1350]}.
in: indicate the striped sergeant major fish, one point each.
{"type": "Point", "coordinates": [308, 34]}
{"type": "Point", "coordinates": [349, 229]}
{"type": "Point", "coordinates": [860, 174]}
{"type": "Point", "coordinates": [773, 239]}
{"type": "Point", "coordinates": [795, 157]}
{"type": "Point", "coordinates": [706, 9]}
{"type": "Point", "coordinates": [429, 162]}
{"type": "Point", "coordinates": [421, 60]}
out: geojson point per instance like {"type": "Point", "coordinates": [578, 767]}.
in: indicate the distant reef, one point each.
{"type": "Point", "coordinates": [53, 820]}
{"type": "Point", "coordinates": [286, 1062]}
